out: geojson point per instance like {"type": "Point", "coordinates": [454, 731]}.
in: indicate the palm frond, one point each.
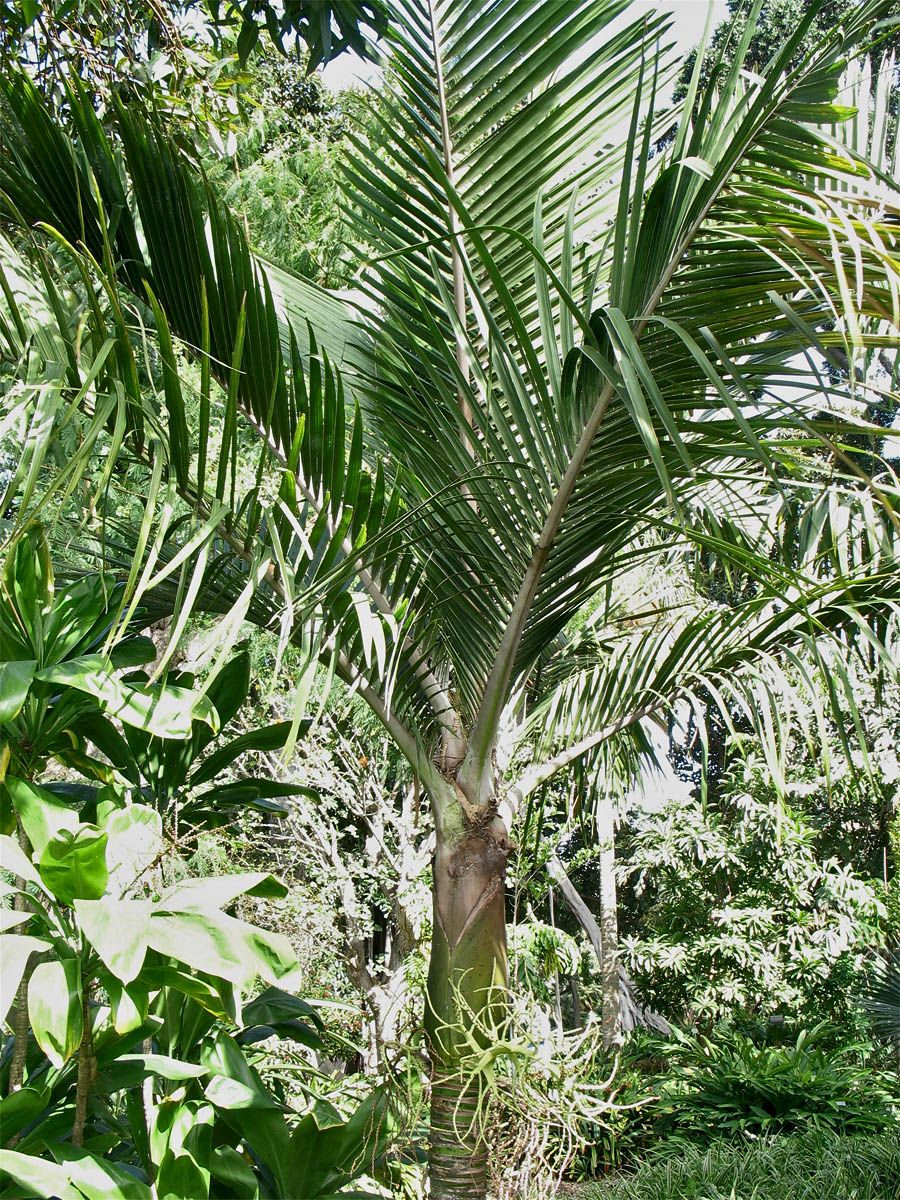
{"type": "Point", "coordinates": [881, 998]}
{"type": "Point", "coordinates": [578, 334]}
{"type": "Point", "coordinates": [200, 286]}
{"type": "Point", "coordinates": [681, 368]}
{"type": "Point", "coordinates": [777, 659]}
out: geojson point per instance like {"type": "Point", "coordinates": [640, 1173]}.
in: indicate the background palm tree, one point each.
{"type": "Point", "coordinates": [582, 356]}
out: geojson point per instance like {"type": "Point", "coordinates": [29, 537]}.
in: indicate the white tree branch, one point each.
{"type": "Point", "coordinates": [537, 773]}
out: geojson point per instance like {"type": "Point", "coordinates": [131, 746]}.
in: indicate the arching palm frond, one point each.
{"type": "Point", "coordinates": [550, 426]}
{"type": "Point", "coordinates": [776, 652]}
{"type": "Point", "coordinates": [310, 501]}
{"type": "Point", "coordinates": [672, 372]}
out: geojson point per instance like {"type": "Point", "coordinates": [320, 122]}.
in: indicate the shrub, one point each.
{"type": "Point", "coordinates": [741, 911]}
{"type": "Point", "coordinates": [732, 1085]}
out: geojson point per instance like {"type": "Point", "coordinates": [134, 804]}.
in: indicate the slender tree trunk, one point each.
{"type": "Point", "coordinates": [86, 1069]}
{"type": "Point", "coordinates": [576, 1002]}
{"type": "Point", "coordinates": [147, 1107]}
{"type": "Point", "coordinates": [20, 1037]}
{"type": "Point", "coordinates": [634, 1013]}
{"type": "Point", "coordinates": [557, 872]}
{"type": "Point", "coordinates": [556, 993]}
{"type": "Point", "coordinates": [609, 924]}
{"type": "Point", "coordinates": [467, 985]}
{"type": "Point", "coordinates": [20, 1016]}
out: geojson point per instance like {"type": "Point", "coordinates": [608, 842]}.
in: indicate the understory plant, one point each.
{"type": "Point", "coordinates": [739, 913]}
{"type": "Point", "coordinates": [731, 1084]}
{"type": "Point", "coordinates": [817, 1164]}
{"type": "Point", "coordinates": [127, 1070]}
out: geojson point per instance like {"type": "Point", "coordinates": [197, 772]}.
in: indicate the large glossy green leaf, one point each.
{"type": "Point", "coordinates": [213, 804]}
{"type": "Point", "coordinates": [129, 1069]}
{"type": "Point", "coordinates": [230, 1168]}
{"type": "Point", "coordinates": [20, 1108]}
{"type": "Point", "coordinates": [14, 859]}
{"type": "Point", "coordinates": [247, 1106]}
{"type": "Point", "coordinates": [98, 1178]}
{"type": "Point", "coordinates": [229, 690]}
{"type": "Point", "coordinates": [129, 1003]}
{"type": "Point", "coordinates": [28, 591]}
{"type": "Point", "coordinates": [15, 681]}
{"type": "Point", "coordinates": [234, 1085]}
{"type": "Point", "coordinates": [323, 1159]}
{"type": "Point", "coordinates": [36, 1177]}
{"type": "Point", "coordinates": [76, 619]}
{"type": "Point", "coordinates": [181, 1146]}
{"type": "Point", "coordinates": [73, 864]}
{"type": "Point", "coordinates": [221, 890]}
{"type": "Point", "coordinates": [118, 930]}
{"type": "Point", "coordinates": [133, 652]}
{"type": "Point", "coordinates": [269, 737]}
{"type": "Point", "coordinates": [274, 1006]}
{"type": "Point", "coordinates": [95, 727]}
{"type": "Point", "coordinates": [55, 1008]}
{"type": "Point", "coordinates": [135, 843]}
{"type": "Point", "coordinates": [290, 1029]}
{"type": "Point", "coordinates": [219, 945]}
{"type": "Point", "coordinates": [15, 951]}
{"type": "Point", "coordinates": [43, 815]}
{"type": "Point", "coordinates": [167, 712]}
{"type": "Point", "coordinates": [110, 1045]}
{"type": "Point", "coordinates": [214, 994]}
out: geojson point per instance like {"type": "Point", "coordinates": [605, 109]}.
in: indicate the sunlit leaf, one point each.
{"type": "Point", "coordinates": [55, 1008]}
{"type": "Point", "coordinates": [15, 681]}
{"type": "Point", "coordinates": [118, 930]}
{"type": "Point", "coordinates": [135, 843]}
{"type": "Point", "coordinates": [43, 815]}
{"type": "Point", "coordinates": [15, 951]}
{"type": "Point", "coordinates": [73, 864]}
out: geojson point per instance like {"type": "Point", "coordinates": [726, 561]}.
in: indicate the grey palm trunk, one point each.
{"type": "Point", "coordinates": [466, 998]}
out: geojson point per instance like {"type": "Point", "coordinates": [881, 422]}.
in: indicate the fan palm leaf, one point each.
{"type": "Point", "coordinates": [881, 998]}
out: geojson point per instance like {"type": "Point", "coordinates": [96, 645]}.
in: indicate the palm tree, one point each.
{"type": "Point", "coordinates": [581, 356]}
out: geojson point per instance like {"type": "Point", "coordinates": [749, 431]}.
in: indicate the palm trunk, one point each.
{"type": "Point", "coordinates": [576, 1002]}
{"type": "Point", "coordinates": [467, 982]}
{"type": "Point", "coordinates": [609, 924]}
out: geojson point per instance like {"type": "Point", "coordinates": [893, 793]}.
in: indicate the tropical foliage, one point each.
{"type": "Point", "coordinates": [281, 173]}
{"type": "Point", "coordinates": [776, 20]}
{"type": "Point", "coordinates": [743, 914]}
{"type": "Point", "coordinates": [837, 1168]}
{"type": "Point", "coordinates": [580, 355]}
{"type": "Point", "coordinates": [127, 989]}
{"type": "Point", "coordinates": [736, 1085]}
